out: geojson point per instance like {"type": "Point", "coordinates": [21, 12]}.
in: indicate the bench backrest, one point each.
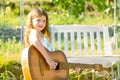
{"type": "Point", "coordinates": [81, 40]}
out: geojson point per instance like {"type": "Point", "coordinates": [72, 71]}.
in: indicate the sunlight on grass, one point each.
{"type": "Point", "coordinates": [89, 52]}
{"type": "Point", "coordinates": [10, 50]}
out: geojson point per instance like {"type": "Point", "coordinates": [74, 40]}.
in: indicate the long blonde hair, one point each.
{"type": "Point", "coordinates": [35, 12]}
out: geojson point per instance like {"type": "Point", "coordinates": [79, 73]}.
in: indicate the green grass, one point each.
{"type": "Point", "coordinates": [10, 49]}
{"type": "Point", "coordinates": [10, 54]}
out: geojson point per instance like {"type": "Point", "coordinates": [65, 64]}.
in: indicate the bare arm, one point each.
{"type": "Point", "coordinates": [35, 38]}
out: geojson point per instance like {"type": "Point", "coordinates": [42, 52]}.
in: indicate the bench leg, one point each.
{"type": "Point", "coordinates": [112, 70]}
{"type": "Point", "coordinates": [118, 68]}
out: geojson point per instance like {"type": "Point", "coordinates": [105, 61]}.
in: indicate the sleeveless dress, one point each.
{"type": "Point", "coordinates": [46, 44]}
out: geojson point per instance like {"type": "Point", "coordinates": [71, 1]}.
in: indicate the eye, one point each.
{"type": "Point", "coordinates": [44, 20]}
{"type": "Point", "coordinates": [38, 20]}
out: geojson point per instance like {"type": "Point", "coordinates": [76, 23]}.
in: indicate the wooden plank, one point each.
{"type": "Point", "coordinates": [79, 43]}
{"type": "Point", "coordinates": [107, 47]}
{"type": "Point", "coordinates": [66, 43]}
{"type": "Point", "coordinates": [106, 61]}
{"type": "Point", "coordinates": [52, 39]}
{"type": "Point", "coordinates": [92, 43]}
{"type": "Point", "coordinates": [85, 43]}
{"type": "Point", "coordinates": [72, 44]}
{"type": "Point", "coordinates": [59, 41]}
{"type": "Point", "coordinates": [74, 28]}
{"type": "Point", "coordinates": [99, 43]}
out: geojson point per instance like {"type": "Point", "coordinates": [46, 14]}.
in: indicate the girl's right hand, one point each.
{"type": "Point", "coordinates": [52, 64]}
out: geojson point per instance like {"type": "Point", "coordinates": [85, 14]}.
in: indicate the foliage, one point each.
{"type": "Point", "coordinates": [57, 18]}
{"type": "Point", "coordinates": [8, 71]}
{"type": "Point", "coordinates": [71, 6]}
{"type": "Point", "coordinates": [9, 13]}
{"type": "Point", "coordinates": [89, 74]}
{"type": "Point", "coordinates": [60, 12]}
{"type": "Point", "coordinates": [99, 3]}
{"type": "Point", "coordinates": [10, 46]}
{"type": "Point", "coordinates": [10, 60]}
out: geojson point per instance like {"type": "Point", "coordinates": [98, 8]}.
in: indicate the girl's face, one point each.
{"type": "Point", "coordinates": [39, 23]}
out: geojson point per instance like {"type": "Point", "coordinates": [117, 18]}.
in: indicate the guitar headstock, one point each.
{"type": "Point", "coordinates": [98, 67]}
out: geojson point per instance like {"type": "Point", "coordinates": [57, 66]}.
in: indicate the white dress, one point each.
{"type": "Point", "coordinates": [46, 44]}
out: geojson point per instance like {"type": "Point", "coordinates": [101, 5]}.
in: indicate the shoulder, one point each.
{"type": "Point", "coordinates": [34, 32]}
{"type": "Point", "coordinates": [35, 35]}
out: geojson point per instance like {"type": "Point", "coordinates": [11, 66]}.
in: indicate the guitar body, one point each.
{"type": "Point", "coordinates": [35, 67]}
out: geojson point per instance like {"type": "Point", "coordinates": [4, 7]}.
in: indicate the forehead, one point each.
{"type": "Point", "coordinates": [40, 17]}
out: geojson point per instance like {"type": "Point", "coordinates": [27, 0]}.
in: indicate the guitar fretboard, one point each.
{"type": "Point", "coordinates": [64, 65]}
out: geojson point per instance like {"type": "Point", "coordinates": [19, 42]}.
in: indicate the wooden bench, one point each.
{"type": "Point", "coordinates": [85, 44]}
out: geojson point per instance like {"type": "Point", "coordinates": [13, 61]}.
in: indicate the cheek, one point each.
{"type": "Point", "coordinates": [34, 24]}
{"type": "Point", "coordinates": [45, 24]}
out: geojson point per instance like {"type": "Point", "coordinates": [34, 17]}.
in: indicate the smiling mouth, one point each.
{"type": "Point", "coordinates": [40, 26]}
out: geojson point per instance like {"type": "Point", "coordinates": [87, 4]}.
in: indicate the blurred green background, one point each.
{"type": "Point", "coordinates": [88, 12]}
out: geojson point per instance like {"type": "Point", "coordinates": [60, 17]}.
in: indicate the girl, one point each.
{"type": "Point", "coordinates": [37, 34]}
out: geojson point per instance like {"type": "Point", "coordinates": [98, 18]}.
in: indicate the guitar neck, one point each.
{"type": "Point", "coordinates": [64, 65]}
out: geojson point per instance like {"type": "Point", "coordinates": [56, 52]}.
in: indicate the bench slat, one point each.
{"type": "Point", "coordinates": [66, 43]}
{"type": "Point", "coordinates": [92, 43]}
{"type": "Point", "coordinates": [79, 44]}
{"type": "Point", "coordinates": [99, 43]}
{"type": "Point", "coordinates": [59, 41]}
{"type": "Point", "coordinates": [72, 44]}
{"type": "Point", "coordinates": [85, 43]}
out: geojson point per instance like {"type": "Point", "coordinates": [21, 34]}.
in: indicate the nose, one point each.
{"type": "Point", "coordinates": [41, 22]}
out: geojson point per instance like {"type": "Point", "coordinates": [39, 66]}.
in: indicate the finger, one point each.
{"type": "Point", "coordinates": [56, 64]}
{"type": "Point", "coordinates": [53, 66]}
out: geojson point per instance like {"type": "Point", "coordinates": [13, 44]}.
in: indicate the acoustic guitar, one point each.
{"type": "Point", "coordinates": [34, 66]}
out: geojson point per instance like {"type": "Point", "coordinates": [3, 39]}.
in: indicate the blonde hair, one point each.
{"type": "Point", "coordinates": [35, 12]}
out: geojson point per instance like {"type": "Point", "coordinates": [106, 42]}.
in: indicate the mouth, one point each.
{"type": "Point", "coordinates": [40, 26]}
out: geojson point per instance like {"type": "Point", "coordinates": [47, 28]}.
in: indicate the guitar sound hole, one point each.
{"type": "Point", "coordinates": [57, 67]}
